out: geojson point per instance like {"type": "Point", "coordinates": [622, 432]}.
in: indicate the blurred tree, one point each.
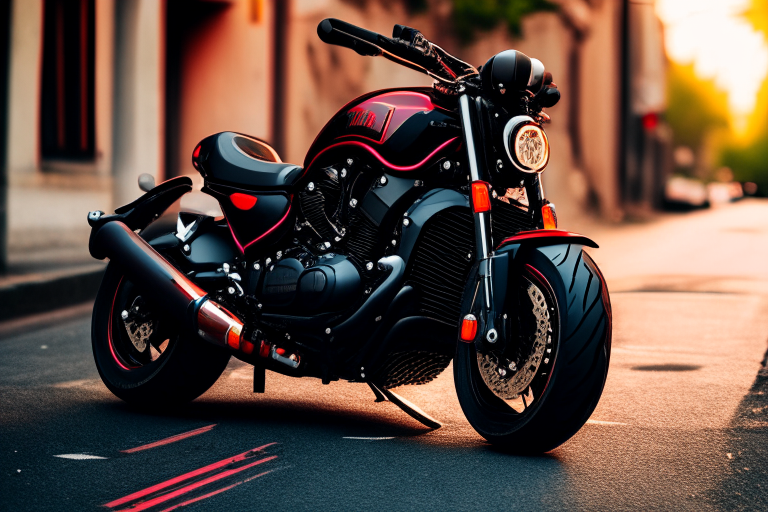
{"type": "Point", "coordinates": [748, 158]}
{"type": "Point", "coordinates": [696, 107]}
{"type": "Point", "coordinates": [472, 15]}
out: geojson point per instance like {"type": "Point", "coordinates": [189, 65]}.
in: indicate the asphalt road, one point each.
{"type": "Point", "coordinates": [682, 425]}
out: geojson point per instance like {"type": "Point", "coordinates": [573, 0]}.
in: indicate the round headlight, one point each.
{"type": "Point", "coordinates": [526, 144]}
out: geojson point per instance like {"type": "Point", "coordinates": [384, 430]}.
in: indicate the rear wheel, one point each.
{"type": "Point", "coordinates": [541, 389]}
{"type": "Point", "coordinates": [139, 354]}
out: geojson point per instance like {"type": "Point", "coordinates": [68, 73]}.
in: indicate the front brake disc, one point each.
{"type": "Point", "coordinates": [509, 383]}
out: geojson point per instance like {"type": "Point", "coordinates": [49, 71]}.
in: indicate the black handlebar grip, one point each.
{"type": "Point", "coordinates": [341, 33]}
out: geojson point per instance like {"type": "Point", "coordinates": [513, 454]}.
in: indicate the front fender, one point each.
{"type": "Point", "coordinates": [541, 237]}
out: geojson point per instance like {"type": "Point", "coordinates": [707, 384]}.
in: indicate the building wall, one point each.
{"type": "Point", "coordinates": [226, 77]}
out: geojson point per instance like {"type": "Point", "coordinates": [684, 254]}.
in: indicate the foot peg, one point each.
{"type": "Point", "coordinates": [410, 409]}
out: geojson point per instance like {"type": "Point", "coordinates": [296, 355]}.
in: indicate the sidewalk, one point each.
{"type": "Point", "coordinates": [46, 290]}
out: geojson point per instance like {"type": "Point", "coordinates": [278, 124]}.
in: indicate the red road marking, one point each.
{"type": "Point", "coordinates": [175, 494]}
{"type": "Point", "coordinates": [204, 496]}
{"type": "Point", "coordinates": [169, 440]}
{"type": "Point", "coordinates": [181, 478]}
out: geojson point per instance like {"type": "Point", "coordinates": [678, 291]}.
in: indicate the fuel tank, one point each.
{"type": "Point", "coordinates": [404, 129]}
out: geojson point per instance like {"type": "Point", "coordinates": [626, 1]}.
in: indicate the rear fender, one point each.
{"type": "Point", "coordinates": [142, 211]}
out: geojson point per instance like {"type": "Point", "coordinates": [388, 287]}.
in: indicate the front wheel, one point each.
{"type": "Point", "coordinates": [542, 387]}
{"type": "Point", "coordinates": [139, 354]}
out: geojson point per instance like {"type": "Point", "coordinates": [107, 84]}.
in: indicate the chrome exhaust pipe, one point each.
{"type": "Point", "coordinates": [171, 290]}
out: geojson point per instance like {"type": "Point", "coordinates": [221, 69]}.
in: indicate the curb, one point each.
{"type": "Point", "coordinates": [38, 293]}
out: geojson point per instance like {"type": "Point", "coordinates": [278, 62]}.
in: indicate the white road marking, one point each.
{"type": "Point", "coordinates": [369, 438]}
{"type": "Point", "coordinates": [598, 422]}
{"type": "Point", "coordinates": [79, 456]}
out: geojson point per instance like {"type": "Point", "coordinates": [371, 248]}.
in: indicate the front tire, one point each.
{"type": "Point", "coordinates": [565, 390]}
{"type": "Point", "coordinates": [159, 369]}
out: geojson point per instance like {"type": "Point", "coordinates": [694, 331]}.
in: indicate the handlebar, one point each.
{"type": "Point", "coordinates": [407, 47]}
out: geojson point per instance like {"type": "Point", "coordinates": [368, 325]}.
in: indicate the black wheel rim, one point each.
{"type": "Point", "coordinates": [128, 351]}
{"type": "Point", "coordinates": [506, 414]}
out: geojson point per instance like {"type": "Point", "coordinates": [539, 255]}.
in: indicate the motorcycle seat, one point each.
{"type": "Point", "coordinates": [239, 159]}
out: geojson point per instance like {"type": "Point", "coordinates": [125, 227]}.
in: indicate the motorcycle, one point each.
{"type": "Point", "coordinates": [415, 234]}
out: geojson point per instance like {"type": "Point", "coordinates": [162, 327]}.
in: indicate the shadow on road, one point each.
{"type": "Point", "coordinates": [746, 486]}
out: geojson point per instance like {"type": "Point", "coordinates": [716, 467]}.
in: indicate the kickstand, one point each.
{"type": "Point", "coordinates": [410, 409]}
{"type": "Point", "coordinates": [379, 395]}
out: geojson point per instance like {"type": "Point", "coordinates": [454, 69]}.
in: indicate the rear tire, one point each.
{"type": "Point", "coordinates": [185, 369]}
{"type": "Point", "coordinates": [566, 392]}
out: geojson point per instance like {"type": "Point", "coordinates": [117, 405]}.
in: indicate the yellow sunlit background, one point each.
{"type": "Point", "coordinates": [718, 85]}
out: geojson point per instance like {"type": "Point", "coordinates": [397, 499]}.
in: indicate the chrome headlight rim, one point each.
{"type": "Point", "coordinates": [511, 131]}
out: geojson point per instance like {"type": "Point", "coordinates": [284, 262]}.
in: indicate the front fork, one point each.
{"type": "Point", "coordinates": [484, 250]}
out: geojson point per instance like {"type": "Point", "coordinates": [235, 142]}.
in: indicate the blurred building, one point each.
{"type": "Point", "coordinates": [100, 91]}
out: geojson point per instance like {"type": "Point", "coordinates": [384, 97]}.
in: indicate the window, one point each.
{"type": "Point", "coordinates": [67, 92]}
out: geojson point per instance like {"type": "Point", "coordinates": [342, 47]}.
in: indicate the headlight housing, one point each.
{"type": "Point", "coordinates": [526, 144]}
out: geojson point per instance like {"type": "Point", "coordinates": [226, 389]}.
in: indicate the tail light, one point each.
{"type": "Point", "coordinates": [481, 200]}
{"type": "Point", "coordinates": [469, 328]}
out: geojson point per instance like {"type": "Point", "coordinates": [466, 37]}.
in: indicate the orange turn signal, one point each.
{"type": "Point", "coordinates": [469, 328]}
{"type": "Point", "coordinates": [246, 346]}
{"type": "Point", "coordinates": [233, 337]}
{"type": "Point", "coordinates": [549, 216]}
{"type": "Point", "coordinates": [481, 200]}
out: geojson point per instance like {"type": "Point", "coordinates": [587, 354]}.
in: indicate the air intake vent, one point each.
{"type": "Point", "coordinates": [440, 265]}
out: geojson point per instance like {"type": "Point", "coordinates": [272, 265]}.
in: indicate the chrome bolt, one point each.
{"type": "Point", "coordinates": [492, 336]}
{"type": "Point", "coordinates": [394, 242]}
{"type": "Point", "coordinates": [418, 183]}
{"type": "Point", "coordinates": [549, 351]}
{"type": "Point", "coordinates": [343, 173]}
{"type": "Point", "coordinates": [225, 267]}
{"type": "Point", "coordinates": [95, 215]}
{"type": "Point", "coordinates": [447, 165]}
{"type": "Point", "coordinates": [287, 336]}
{"type": "Point", "coordinates": [259, 306]}
{"type": "Point", "coordinates": [338, 239]}
{"type": "Point", "coordinates": [494, 194]}
{"type": "Point", "coordinates": [310, 186]}
{"type": "Point", "coordinates": [469, 255]}
{"type": "Point", "coordinates": [362, 375]}
{"type": "Point", "coordinates": [279, 254]}
{"type": "Point", "coordinates": [406, 221]}
{"type": "Point", "coordinates": [327, 245]}
{"type": "Point", "coordinates": [349, 161]}
{"type": "Point", "coordinates": [327, 330]}
{"type": "Point", "coordinates": [378, 319]}
{"type": "Point", "coordinates": [369, 265]}
{"type": "Point", "coordinates": [367, 291]}
{"type": "Point", "coordinates": [496, 114]}
{"type": "Point", "coordinates": [546, 360]}
{"type": "Point", "coordinates": [353, 203]}
{"type": "Point", "coordinates": [512, 366]}
{"type": "Point", "coordinates": [298, 227]}
{"type": "Point", "coordinates": [269, 260]}
{"type": "Point", "coordinates": [186, 248]}
{"type": "Point", "coordinates": [231, 290]}
{"type": "Point", "coordinates": [502, 372]}
{"type": "Point", "coordinates": [383, 180]}
{"type": "Point", "coordinates": [505, 316]}
{"type": "Point", "coordinates": [124, 315]}
{"type": "Point", "coordinates": [256, 266]}
{"type": "Point", "coordinates": [136, 308]}
{"type": "Point", "coordinates": [271, 268]}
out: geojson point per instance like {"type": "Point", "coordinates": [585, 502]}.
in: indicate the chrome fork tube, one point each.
{"type": "Point", "coordinates": [483, 248]}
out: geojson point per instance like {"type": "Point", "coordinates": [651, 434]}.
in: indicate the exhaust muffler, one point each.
{"type": "Point", "coordinates": [170, 289]}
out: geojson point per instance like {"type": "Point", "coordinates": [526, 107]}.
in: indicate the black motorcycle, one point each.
{"type": "Point", "coordinates": [416, 232]}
